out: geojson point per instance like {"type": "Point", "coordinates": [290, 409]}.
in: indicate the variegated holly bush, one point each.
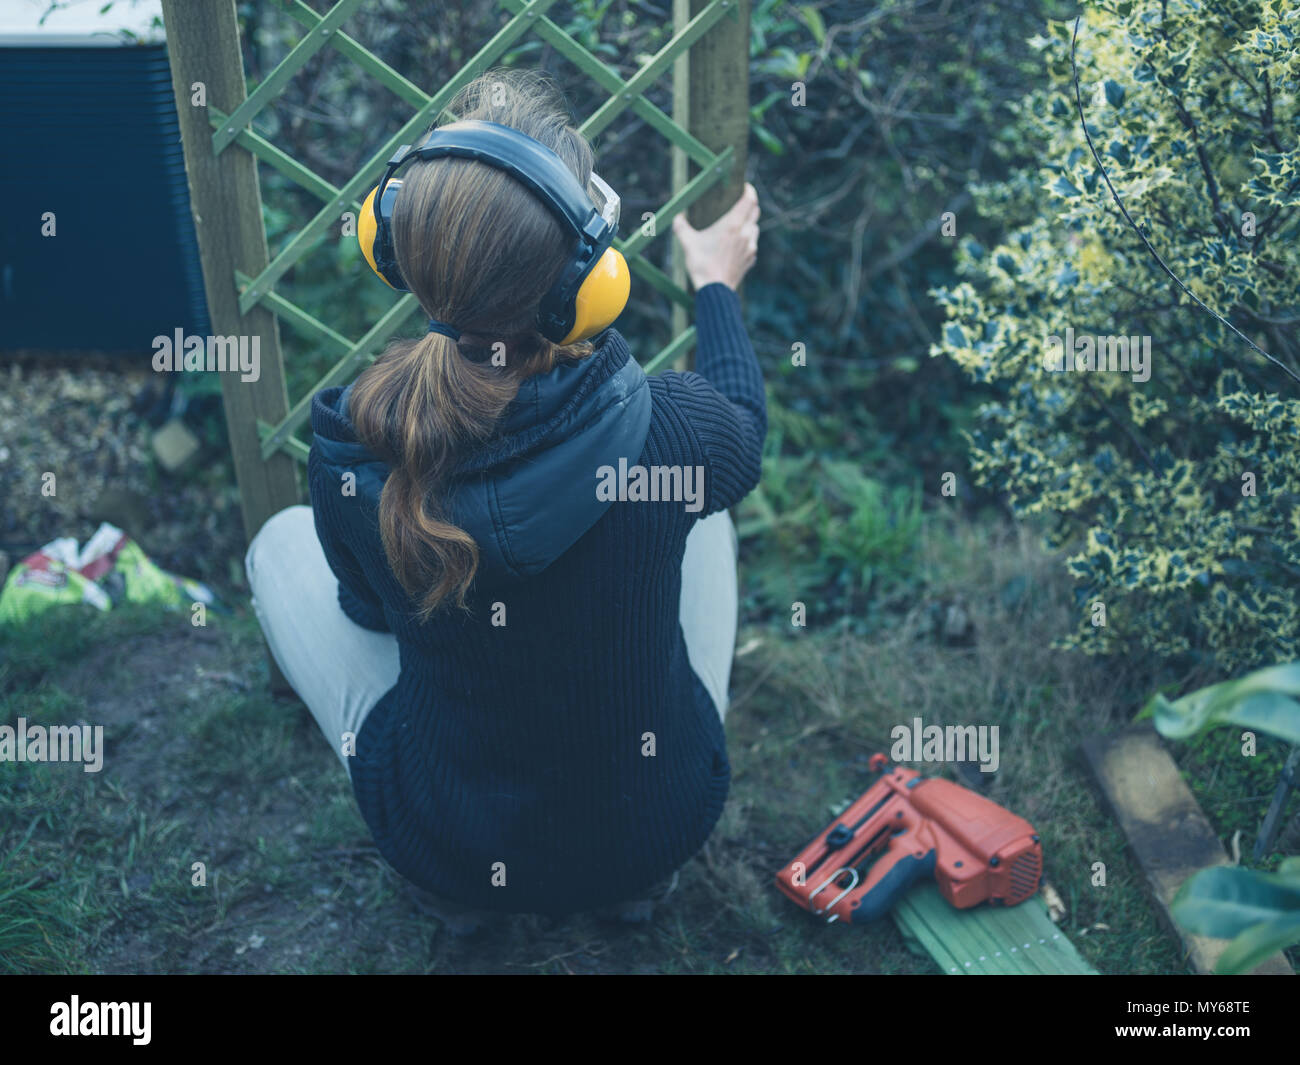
{"type": "Point", "coordinates": [1177, 496]}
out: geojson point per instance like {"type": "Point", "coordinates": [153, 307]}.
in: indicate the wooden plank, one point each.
{"type": "Point", "coordinates": [1165, 829]}
{"type": "Point", "coordinates": [988, 940]}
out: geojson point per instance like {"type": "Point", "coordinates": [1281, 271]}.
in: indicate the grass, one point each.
{"type": "Point", "coordinates": [98, 872]}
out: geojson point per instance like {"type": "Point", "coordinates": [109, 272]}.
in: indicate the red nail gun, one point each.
{"type": "Point", "coordinates": [904, 827]}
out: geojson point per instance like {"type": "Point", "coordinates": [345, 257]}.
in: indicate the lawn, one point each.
{"type": "Point", "coordinates": [203, 766]}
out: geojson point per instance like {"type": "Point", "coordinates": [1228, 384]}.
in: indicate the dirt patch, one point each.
{"type": "Point", "coordinates": [151, 694]}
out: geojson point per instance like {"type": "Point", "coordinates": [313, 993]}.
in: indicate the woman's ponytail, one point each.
{"type": "Point", "coordinates": [478, 250]}
{"type": "Point", "coordinates": [416, 408]}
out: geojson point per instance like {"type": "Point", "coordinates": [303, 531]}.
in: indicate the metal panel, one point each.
{"type": "Point", "coordinates": [96, 143]}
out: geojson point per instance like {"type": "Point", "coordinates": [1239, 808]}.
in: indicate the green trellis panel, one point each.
{"type": "Point", "coordinates": [528, 17]}
{"type": "Point", "coordinates": [988, 940]}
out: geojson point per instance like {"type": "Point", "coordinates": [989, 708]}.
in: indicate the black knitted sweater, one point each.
{"type": "Point", "coordinates": [551, 749]}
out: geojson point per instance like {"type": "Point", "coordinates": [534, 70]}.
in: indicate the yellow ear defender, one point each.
{"type": "Point", "coordinates": [601, 297]}
{"type": "Point", "coordinates": [367, 229]}
{"type": "Point", "coordinates": [594, 285]}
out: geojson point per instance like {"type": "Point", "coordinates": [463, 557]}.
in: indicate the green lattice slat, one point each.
{"type": "Point", "coordinates": [298, 56]}
{"type": "Point", "coordinates": [367, 61]}
{"type": "Point", "coordinates": [292, 446]}
{"type": "Point", "coordinates": [281, 161]}
{"type": "Point", "coordinates": [315, 330]}
{"type": "Point", "coordinates": [642, 268]}
{"type": "Point", "coordinates": [329, 214]}
{"type": "Point", "coordinates": [675, 347]}
{"type": "Point", "coordinates": [683, 198]}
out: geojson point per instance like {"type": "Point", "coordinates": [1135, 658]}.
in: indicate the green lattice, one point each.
{"type": "Point", "coordinates": [528, 17]}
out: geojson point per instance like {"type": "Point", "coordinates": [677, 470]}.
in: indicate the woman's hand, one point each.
{"type": "Point", "coordinates": [725, 250]}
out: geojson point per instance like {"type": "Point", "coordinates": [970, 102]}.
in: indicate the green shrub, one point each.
{"type": "Point", "coordinates": [824, 531]}
{"type": "Point", "coordinates": [1180, 494]}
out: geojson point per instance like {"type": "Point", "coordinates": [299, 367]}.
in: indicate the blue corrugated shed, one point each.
{"type": "Point", "coordinates": [90, 134]}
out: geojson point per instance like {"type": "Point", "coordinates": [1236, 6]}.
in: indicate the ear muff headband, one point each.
{"type": "Point", "coordinates": [594, 284]}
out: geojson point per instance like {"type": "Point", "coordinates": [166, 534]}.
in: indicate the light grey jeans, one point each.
{"type": "Point", "coordinates": [340, 670]}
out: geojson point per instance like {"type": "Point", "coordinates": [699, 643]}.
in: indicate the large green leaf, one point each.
{"type": "Point", "coordinates": [1224, 900]}
{"type": "Point", "coordinates": [1257, 943]}
{"type": "Point", "coordinates": [1261, 910]}
{"type": "Point", "coordinates": [1261, 700]}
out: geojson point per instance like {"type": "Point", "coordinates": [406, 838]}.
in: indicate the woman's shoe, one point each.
{"type": "Point", "coordinates": [458, 920]}
{"type": "Point", "coordinates": [639, 911]}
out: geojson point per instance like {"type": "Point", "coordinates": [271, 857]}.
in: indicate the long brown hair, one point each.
{"type": "Point", "coordinates": [478, 250]}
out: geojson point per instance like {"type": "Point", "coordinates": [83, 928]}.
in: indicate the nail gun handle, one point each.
{"type": "Point", "coordinates": [900, 873]}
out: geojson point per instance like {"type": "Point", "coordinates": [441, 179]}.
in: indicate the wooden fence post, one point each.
{"type": "Point", "coordinates": [711, 99]}
{"type": "Point", "coordinates": [226, 201]}
{"type": "Point", "coordinates": [203, 46]}
{"type": "Point", "coordinates": [719, 104]}
{"type": "Point", "coordinates": [680, 164]}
